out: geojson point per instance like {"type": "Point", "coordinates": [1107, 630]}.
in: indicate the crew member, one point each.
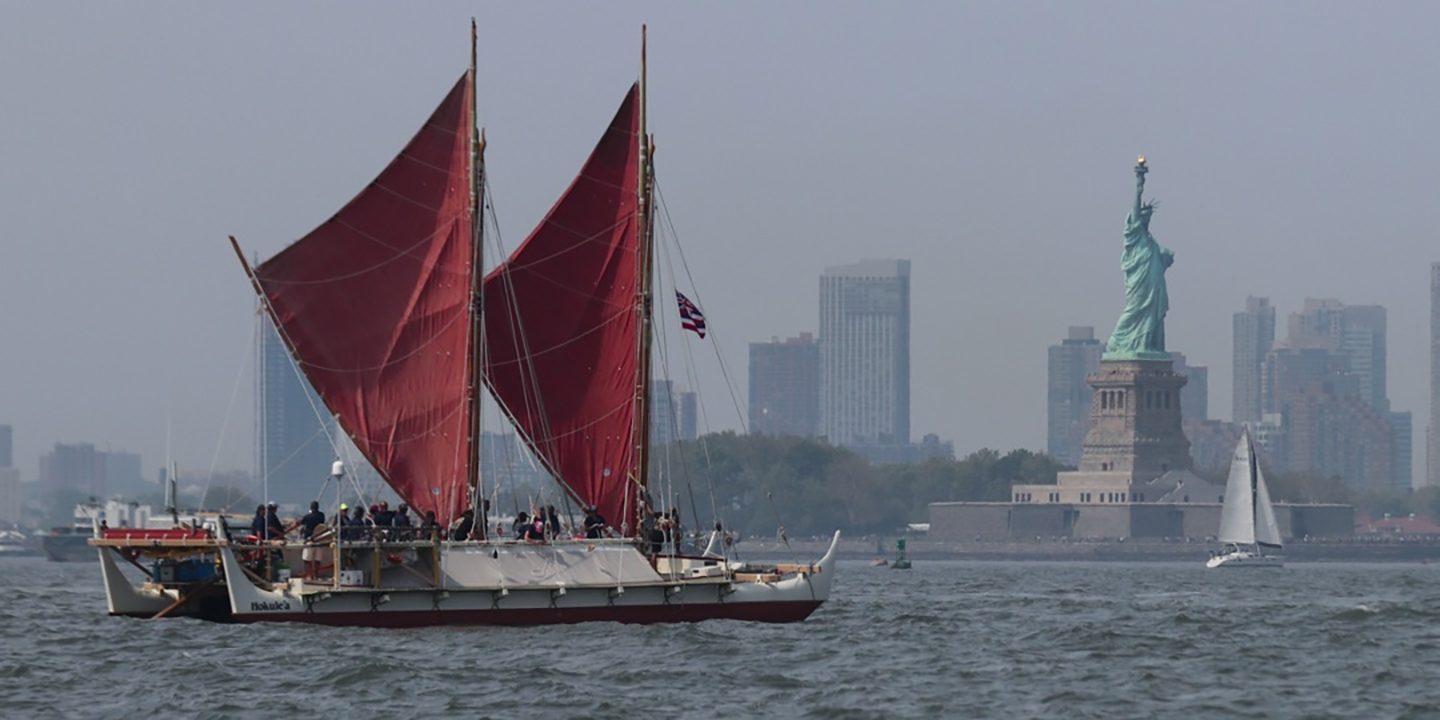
{"type": "Point", "coordinates": [594, 523]}
{"type": "Point", "coordinates": [463, 527]}
{"type": "Point", "coordinates": [273, 529]}
{"type": "Point", "coordinates": [311, 555]}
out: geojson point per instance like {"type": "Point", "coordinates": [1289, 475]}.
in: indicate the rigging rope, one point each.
{"type": "Point", "coordinates": [724, 369]}
{"type": "Point", "coordinates": [225, 424]}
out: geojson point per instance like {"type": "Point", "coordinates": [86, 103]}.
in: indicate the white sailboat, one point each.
{"type": "Point", "coordinates": [1247, 519]}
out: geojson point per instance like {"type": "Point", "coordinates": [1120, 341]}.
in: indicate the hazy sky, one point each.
{"type": "Point", "coordinates": [1293, 146]}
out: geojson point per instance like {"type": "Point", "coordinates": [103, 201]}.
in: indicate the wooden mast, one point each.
{"type": "Point", "coordinates": [646, 308]}
{"type": "Point", "coordinates": [476, 350]}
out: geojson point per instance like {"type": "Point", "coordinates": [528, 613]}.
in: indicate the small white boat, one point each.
{"type": "Point", "coordinates": [1247, 519]}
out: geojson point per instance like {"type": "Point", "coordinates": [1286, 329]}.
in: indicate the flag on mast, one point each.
{"type": "Point", "coordinates": [690, 316]}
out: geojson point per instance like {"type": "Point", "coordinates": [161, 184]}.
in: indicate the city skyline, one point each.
{"type": "Point", "coordinates": [1004, 180]}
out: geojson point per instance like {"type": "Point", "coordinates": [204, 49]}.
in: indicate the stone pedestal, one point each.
{"type": "Point", "coordinates": [1135, 451]}
{"type": "Point", "coordinates": [1135, 420]}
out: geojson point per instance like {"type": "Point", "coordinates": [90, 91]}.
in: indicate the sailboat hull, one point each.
{"type": "Point", "coordinates": [571, 591]}
{"type": "Point", "coordinates": [639, 613]}
{"type": "Point", "coordinates": [491, 584]}
{"type": "Point", "coordinates": [1244, 559]}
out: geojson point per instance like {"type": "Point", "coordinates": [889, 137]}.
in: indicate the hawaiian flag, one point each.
{"type": "Point", "coordinates": [690, 316]}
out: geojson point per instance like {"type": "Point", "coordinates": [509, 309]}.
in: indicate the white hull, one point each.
{"type": "Point", "coordinates": [1244, 558]}
{"type": "Point", "coordinates": [504, 584]}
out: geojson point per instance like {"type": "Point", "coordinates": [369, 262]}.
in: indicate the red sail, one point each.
{"type": "Point", "coordinates": [561, 326]}
{"type": "Point", "coordinates": [373, 304]}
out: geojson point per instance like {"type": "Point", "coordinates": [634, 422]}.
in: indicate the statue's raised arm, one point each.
{"type": "Point", "coordinates": [1140, 171]}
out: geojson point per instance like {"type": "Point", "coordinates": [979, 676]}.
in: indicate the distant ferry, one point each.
{"type": "Point", "coordinates": [70, 543]}
{"type": "Point", "coordinates": [14, 544]}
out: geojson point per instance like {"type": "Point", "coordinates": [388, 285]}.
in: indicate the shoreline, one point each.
{"type": "Point", "coordinates": [1389, 551]}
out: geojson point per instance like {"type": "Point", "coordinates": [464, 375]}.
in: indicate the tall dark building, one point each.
{"type": "Point", "coordinates": [1067, 402]}
{"type": "Point", "coordinates": [689, 416]}
{"type": "Point", "coordinates": [865, 353]}
{"type": "Point", "coordinates": [785, 386]}
{"type": "Point", "coordinates": [1322, 384]}
{"type": "Point", "coordinates": [1402, 449]}
{"type": "Point", "coordinates": [1356, 332]}
{"type": "Point", "coordinates": [80, 468]}
{"type": "Point", "coordinates": [1195, 396]}
{"type": "Point", "coordinates": [7, 446]}
{"type": "Point", "coordinates": [506, 462]}
{"type": "Point", "coordinates": [1432, 433]}
{"type": "Point", "coordinates": [293, 453]}
{"type": "Point", "coordinates": [1254, 336]}
{"type": "Point", "coordinates": [664, 418]}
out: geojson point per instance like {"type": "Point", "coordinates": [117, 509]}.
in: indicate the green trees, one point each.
{"type": "Point", "coordinates": [812, 488]}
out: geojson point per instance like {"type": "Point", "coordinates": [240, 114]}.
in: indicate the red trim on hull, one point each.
{"type": "Point", "coordinates": [772, 612]}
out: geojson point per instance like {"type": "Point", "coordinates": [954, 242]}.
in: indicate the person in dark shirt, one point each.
{"type": "Point", "coordinates": [552, 522]}
{"type": "Point", "coordinates": [257, 526]}
{"type": "Point", "coordinates": [429, 526]}
{"type": "Point", "coordinates": [273, 529]}
{"type": "Point", "coordinates": [401, 519]}
{"type": "Point", "coordinates": [676, 534]}
{"type": "Point", "coordinates": [385, 517]}
{"type": "Point", "coordinates": [521, 526]}
{"type": "Point", "coordinates": [463, 528]}
{"type": "Point", "coordinates": [594, 523]}
{"type": "Point", "coordinates": [343, 518]}
{"type": "Point", "coordinates": [533, 531]}
{"type": "Point", "coordinates": [656, 535]}
{"type": "Point", "coordinates": [357, 524]}
{"type": "Point", "coordinates": [311, 555]}
{"type": "Point", "coordinates": [314, 517]}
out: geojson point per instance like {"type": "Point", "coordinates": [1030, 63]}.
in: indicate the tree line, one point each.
{"type": "Point", "coordinates": [811, 488]}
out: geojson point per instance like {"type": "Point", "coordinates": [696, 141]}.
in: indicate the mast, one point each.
{"type": "Point", "coordinates": [1254, 491]}
{"type": "Point", "coordinates": [476, 350]}
{"type": "Point", "coordinates": [645, 305]}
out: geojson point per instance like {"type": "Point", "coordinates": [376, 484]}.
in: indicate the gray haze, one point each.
{"type": "Point", "coordinates": [1293, 147]}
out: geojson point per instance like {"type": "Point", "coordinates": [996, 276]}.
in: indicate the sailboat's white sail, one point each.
{"type": "Point", "coordinates": [1237, 515]}
{"type": "Point", "coordinates": [1267, 533]}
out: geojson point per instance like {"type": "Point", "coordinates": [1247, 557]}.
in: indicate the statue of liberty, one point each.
{"type": "Point", "coordinates": [1140, 332]}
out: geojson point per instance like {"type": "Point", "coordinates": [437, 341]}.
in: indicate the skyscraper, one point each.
{"type": "Point", "coordinates": [78, 468]}
{"type": "Point", "coordinates": [1432, 433]}
{"type": "Point", "coordinates": [82, 469]}
{"type": "Point", "coordinates": [1067, 401]}
{"type": "Point", "coordinates": [689, 416]}
{"type": "Point", "coordinates": [1357, 332]}
{"type": "Point", "coordinates": [1254, 335]}
{"type": "Point", "coordinates": [785, 386]}
{"type": "Point", "coordinates": [1402, 439]}
{"type": "Point", "coordinates": [10, 500]}
{"type": "Point", "coordinates": [1327, 384]}
{"type": "Point", "coordinates": [293, 450]}
{"type": "Point", "coordinates": [1362, 341]}
{"type": "Point", "coordinates": [664, 420]}
{"type": "Point", "coordinates": [1195, 396]}
{"type": "Point", "coordinates": [865, 353]}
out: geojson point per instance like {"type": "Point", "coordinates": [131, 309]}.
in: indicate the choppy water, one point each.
{"type": "Point", "coordinates": [969, 640]}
